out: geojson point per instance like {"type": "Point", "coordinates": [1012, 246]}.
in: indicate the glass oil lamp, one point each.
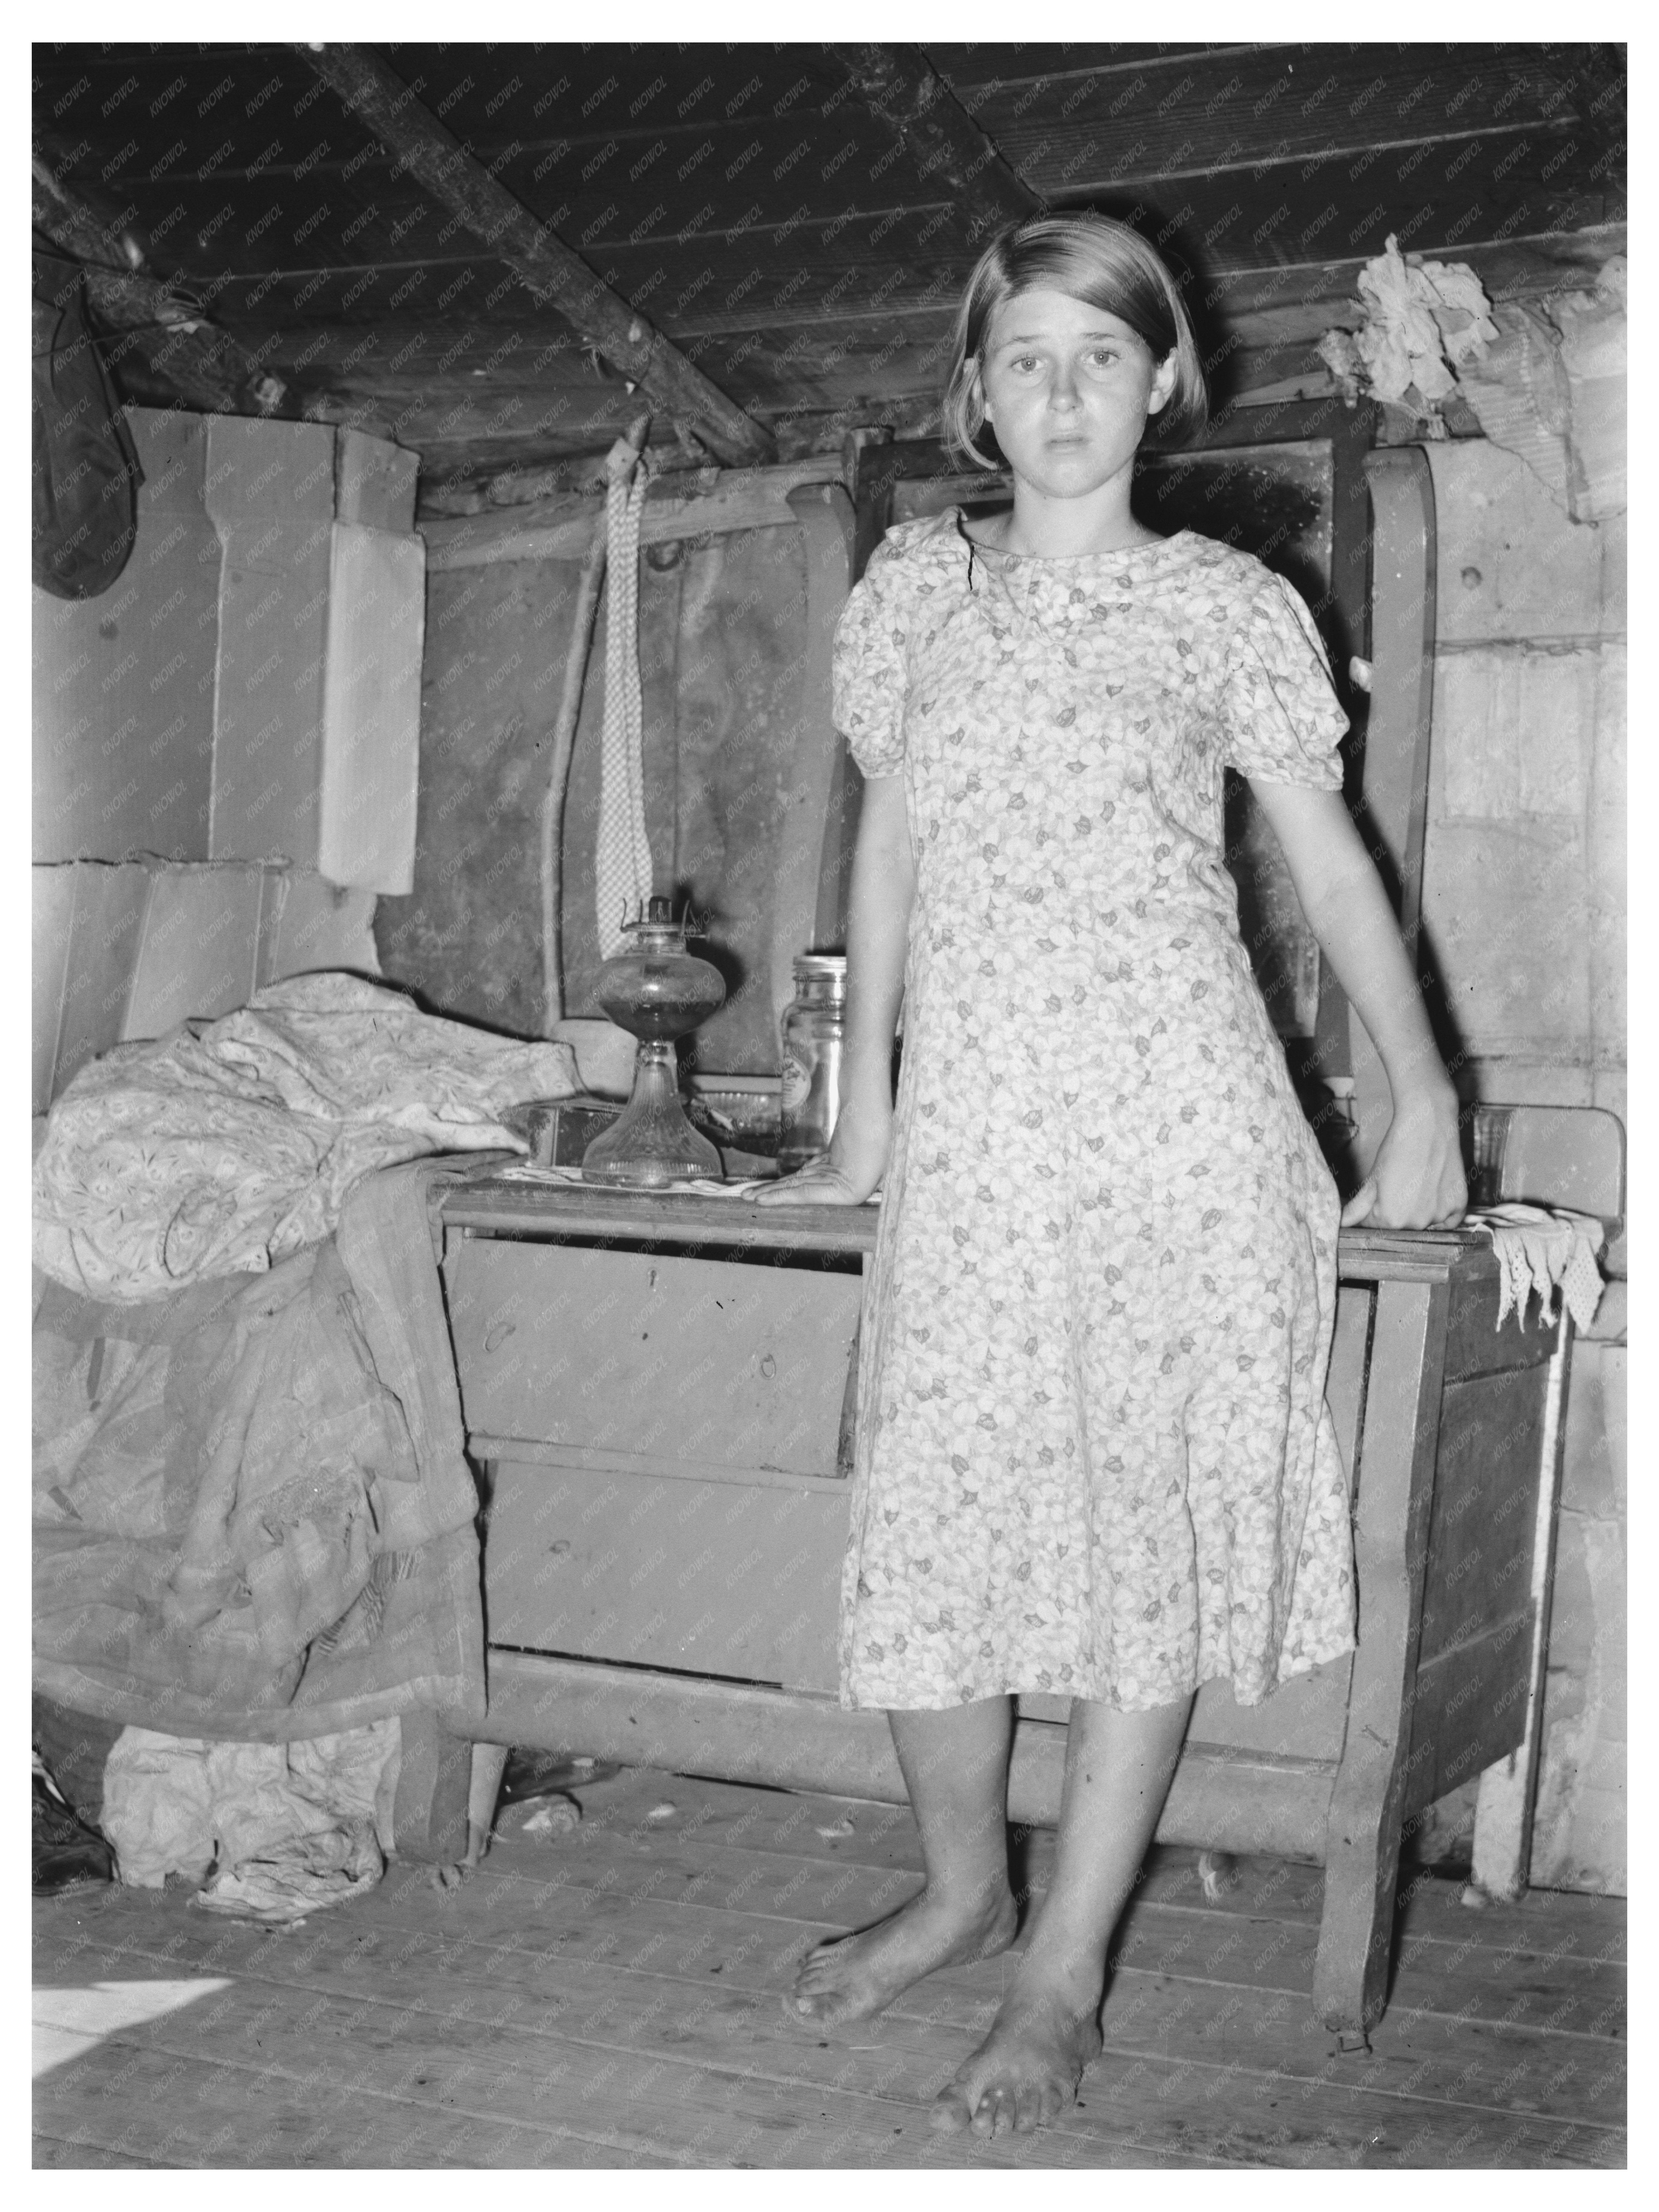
{"type": "Point", "coordinates": [660, 992]}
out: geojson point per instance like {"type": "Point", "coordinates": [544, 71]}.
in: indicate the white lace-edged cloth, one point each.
{"type": "Point", "coordinates": [1546, 1249]}
{"type": "Point", "coordinates": [699, 1186]}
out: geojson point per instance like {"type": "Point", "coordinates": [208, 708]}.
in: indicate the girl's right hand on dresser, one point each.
{"type": "Point", "coordinates": [1417, 1182]}
{"type": "Point", "coordinates": [846, 1174]}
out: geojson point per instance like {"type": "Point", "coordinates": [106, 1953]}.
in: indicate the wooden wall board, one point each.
{"type": "Point", "coordinates": [123, 690]}
{"type": "Point", "coordinates": [52, 893]}
{"type": "Point", "coordinates": [106, 934]}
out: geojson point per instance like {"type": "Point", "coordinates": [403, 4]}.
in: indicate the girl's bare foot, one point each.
{"type": "Point", "coordinates": [1028, 2069]}
{"type": "Point", "coordinates": [863, 1974]}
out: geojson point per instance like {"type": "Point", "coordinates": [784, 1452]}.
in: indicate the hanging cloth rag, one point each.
{"type": "Point", "coordinates": [622, 869]}
{"type": "Point", "coordinates": [1544, 1248]}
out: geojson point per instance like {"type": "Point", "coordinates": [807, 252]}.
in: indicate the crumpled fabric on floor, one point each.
{"type": "Point", "coordinates": [285, 1829]}
{"type": "Point", "coordinates": [290, 1880]}
{"type": "Point", "coordinates": [1543, 1250]}
{"type": "Point", "coordinates": [229, 1144]}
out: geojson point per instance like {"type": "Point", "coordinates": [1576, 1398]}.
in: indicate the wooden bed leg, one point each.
{"type": "Point", "coordinates": [489, 1765]}
{"type": "Point", "coordinates": [434, 1776]}
{"type": "Point", "coordinates": [1396, 1490]}
{"type": "Point", "coordinates": [1504, 1808]}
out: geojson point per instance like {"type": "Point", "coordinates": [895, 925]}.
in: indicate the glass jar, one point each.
{"type": "Point", "coordinates": [813, 1025]}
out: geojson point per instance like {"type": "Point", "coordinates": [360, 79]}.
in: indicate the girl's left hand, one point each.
{"type": "Point", "coordinates": [1417, 1181]}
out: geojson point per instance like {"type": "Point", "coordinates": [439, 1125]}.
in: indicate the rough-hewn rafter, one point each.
{"type": "Point", "coordinates": [954, 156]}
{"type": "Point", "coordinates": [207, 365]}
{"type": "Point", "coordinates": [392, 111]}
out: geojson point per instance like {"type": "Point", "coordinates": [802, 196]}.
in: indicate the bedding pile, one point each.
{"type": "Point", "coordinates": [252, 1515]}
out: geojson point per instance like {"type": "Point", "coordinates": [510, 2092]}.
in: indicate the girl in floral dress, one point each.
{"type": "Point", "coordinates": [1093, 1458]}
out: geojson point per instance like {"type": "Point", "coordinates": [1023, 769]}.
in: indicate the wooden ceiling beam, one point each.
{"type": "Point", "coordinates": [561, 528]}
{"type": "Point", "coordinates": [394, 114]}
{"type": "Point", "coordinates": [206, 365]}
{"type": "Point", "coordinates": [959, 162]}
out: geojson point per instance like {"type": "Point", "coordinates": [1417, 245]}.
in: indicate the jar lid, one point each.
{"type": "Point", "coordinates": [820, 963]}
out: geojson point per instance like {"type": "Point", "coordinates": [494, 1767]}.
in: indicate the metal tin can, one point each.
{"type": "Point", "coordinates": [812, 1032]}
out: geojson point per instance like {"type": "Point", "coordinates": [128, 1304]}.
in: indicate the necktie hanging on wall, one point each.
{"type": "Point", "coordinates": [622, 873]}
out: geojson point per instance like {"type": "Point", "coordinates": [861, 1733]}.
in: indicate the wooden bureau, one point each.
{"type": "Point", "coordinates": [657, 1392]}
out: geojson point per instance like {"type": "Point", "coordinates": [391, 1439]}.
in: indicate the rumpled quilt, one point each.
{"type": "Point", "coordinates": [230, 1145]}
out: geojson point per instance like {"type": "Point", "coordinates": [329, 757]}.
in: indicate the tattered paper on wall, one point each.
{"type": "Point", "coordinates": [1551, 391]}
{"type": "Point", "coordinates": [1544, 378]}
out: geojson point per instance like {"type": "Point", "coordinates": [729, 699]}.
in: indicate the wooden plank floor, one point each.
{"type": "Point", "coordinates": [611, 1998]}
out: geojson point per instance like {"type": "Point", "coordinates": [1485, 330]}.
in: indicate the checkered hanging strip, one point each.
{"type": "Point", "coordinates": [622, 873]}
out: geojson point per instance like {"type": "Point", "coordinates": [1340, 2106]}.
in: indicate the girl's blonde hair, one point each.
{"type": "Point", "coordinates": [1105, 264]}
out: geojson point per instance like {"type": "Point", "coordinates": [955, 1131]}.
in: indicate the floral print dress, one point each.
{"type": "Point", "coordinates": [1093, 1456]}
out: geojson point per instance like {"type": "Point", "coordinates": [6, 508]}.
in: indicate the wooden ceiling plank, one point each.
{"type": "Point", "coordinates": [1525, 261]}
{"type": "Point", "coordinates": [537, 256]}
{"type": "Point", "coordinates": [1284, 106]}
{"type": "Point", "coordinates": [955, 157]}
{"type": "Point", "coordinates": [964, 67]}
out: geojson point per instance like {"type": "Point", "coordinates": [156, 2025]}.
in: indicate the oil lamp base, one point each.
{"type": "Point", "coordinates": [651, 1144]}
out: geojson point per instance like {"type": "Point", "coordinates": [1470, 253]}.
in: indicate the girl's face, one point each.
{"type": "Point", "coordinates": [1068, 389]}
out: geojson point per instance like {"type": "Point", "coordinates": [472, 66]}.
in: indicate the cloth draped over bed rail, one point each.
{"type": "Point", "coordinates": [253, 1516]}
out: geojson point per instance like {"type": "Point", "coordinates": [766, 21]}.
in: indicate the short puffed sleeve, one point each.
{"type": "Point", "coordinates": [1282, 716]}
{"type": "Point", "coordinates": [870, 670]}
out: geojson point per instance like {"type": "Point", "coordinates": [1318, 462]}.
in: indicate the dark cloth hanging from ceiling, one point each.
{"type": "Point", "coordinates": [86, 466]}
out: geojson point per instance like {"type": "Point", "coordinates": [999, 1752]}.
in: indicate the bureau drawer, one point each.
{"type": "Point", "coordinates": [724, 1578]}
{"type": "Point", "coordinates": [652, 1356]}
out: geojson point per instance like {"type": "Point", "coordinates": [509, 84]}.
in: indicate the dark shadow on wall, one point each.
{"type": "Point", "coordinates": [721, 631]}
